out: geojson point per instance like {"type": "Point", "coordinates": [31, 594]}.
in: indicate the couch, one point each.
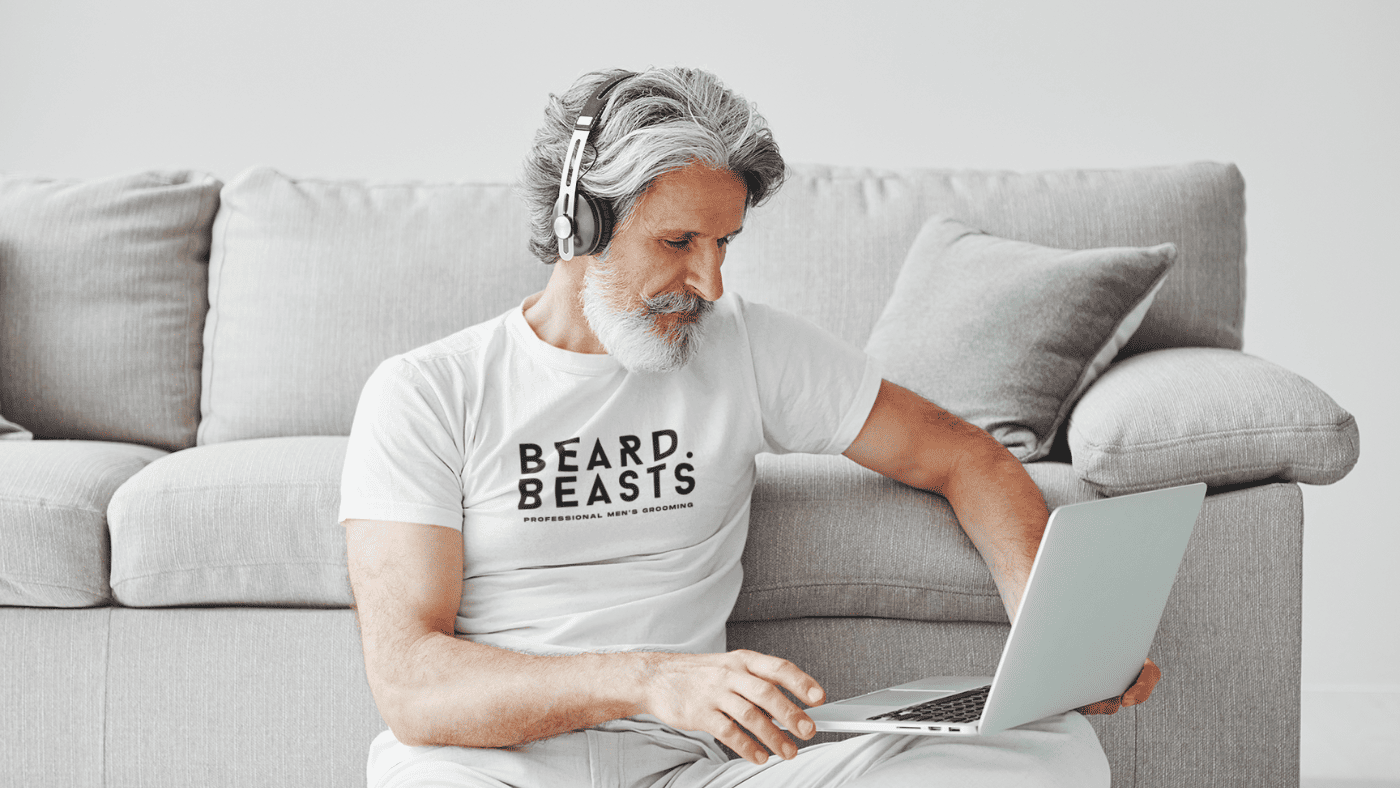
{"type": "Point", "coordinates": [180, 361]}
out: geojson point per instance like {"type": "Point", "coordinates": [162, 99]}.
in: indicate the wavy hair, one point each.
{"type": "Point", "coordinates": [653, 123]}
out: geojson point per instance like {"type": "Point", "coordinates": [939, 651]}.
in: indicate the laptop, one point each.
{"type": "Point", "coordinates": [1090, 610]}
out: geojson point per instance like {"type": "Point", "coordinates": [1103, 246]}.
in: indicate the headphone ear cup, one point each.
{"type": "Point", "coordinates": [593, 220]}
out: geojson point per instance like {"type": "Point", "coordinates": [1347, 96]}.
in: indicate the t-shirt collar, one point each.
{"type": "Point", "coordinates": [557, 358]}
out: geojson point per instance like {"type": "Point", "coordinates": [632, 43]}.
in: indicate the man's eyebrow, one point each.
{"type": "Point", "coordinates": [668, 231]}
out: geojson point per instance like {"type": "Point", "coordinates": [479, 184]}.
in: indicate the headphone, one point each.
{"type": "Point", "coordinates": [583, 224]}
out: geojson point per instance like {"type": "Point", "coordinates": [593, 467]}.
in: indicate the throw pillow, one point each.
{"type": "Point", "coordinates": [1204, 414]}
{"type": "Point", "coordinates": [12, 431]}
{"type": "Point", "coordinates": [1008, 334]}
{"type": "Point", "coordinates": [103, 288]}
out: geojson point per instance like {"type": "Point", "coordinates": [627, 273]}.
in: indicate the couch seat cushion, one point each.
{"type": "Point", "coordinates": [103, 285]}
{"type": "Point", "coordinates": [246, 522]}
{"type": "Point", "coordinates": [53, 522]}
{"type": "Point", "coordinates": [830, 538]}
{"type": "Point", "coordinates": [253, 522]}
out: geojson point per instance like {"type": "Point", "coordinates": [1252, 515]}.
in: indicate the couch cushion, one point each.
{"type": "Point", "coordinates": [1008, 334]}
{"type": "Point", "coordinates": [1202, 414]}
{"type": "Point", "coordinates": [253, 522]}
{"type": "Point", "coordinates": [431, 259]}
{"type": "Point", "coordinates": [830, 538]}
{"type": "Point", "coordinates": [830, 244]}
{"type": "Point", "coordinates": [102, 285]}
{"type": "Point", "coordinates": [53, 523]}
{"type": "Point", "coordinates": [313, 283]}
{"type": "Point", "coordinates": [246, 522]}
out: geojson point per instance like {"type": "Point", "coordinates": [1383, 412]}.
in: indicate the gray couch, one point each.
{"type": "Point", "coordinates": [187, 356]}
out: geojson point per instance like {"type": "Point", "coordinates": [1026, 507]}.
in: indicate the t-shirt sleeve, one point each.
{"type": "Point", "coordinates": [815, 391]}
{"type": "Point", "coordinates": [402, 462]}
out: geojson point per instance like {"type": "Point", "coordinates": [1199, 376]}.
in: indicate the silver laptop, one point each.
{"type": "Point", "coordinates": [1096, 592]}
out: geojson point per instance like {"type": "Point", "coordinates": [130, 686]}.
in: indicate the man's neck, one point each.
{"type": "Point", "coordinates": [555, 314]}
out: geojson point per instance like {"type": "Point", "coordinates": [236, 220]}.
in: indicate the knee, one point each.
{"type": "Point", "coordinates": [1071, 755]}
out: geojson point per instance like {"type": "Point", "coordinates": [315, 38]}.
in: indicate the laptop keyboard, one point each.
{"type": "Point", "coordinates": [962, 707]}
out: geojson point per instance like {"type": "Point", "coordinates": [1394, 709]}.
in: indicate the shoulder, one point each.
{"type": "Point", "coordinates": [769, 327]}
{"type": "Point", "coordinates": [446, 369]}
{"type": "Point", "coordinates": [450, 356]}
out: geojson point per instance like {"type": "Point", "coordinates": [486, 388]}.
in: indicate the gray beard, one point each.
{"type": "Point", "coordinates": [632, 336]}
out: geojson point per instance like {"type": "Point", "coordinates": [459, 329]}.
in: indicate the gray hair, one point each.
{"type": "Point", "coordinates": [656, 122]}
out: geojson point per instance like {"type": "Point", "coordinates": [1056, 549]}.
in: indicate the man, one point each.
{"type": "Point", "coordinates": [545, 512]}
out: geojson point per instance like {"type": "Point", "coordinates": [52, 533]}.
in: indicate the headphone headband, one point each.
{"type": "Point", "coordinates": [566, 224]}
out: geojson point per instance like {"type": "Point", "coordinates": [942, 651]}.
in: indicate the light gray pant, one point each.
{"type": "Point", "coordinates": [642, 753]}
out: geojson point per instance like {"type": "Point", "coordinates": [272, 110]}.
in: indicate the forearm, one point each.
{"type": "Point", "coordinates": [448, 691]}
{"type": "Point", "coordinates": [434, 689]}
{"type": "Point", "coordinates": [916, 442]}
{"type": "Point", "coordinates": [1002, 512]}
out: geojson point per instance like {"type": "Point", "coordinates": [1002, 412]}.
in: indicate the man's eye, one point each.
{"type": "Point", "coordinates": [683, 243]}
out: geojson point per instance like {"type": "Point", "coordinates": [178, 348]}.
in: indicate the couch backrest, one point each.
{"type": "Point", "coordinates": [311, 283]}
{"type": "Point", "coordinates": [314, 282]}
{"type": "Point", "coordinates": [832, 241]}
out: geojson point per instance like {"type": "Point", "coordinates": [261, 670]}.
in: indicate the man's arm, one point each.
{"type": "Point", "coordinates": [911, 440]}
{"type": "Point", "coordinates": [433, 688]}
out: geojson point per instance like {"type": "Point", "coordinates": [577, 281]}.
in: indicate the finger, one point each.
{"type": "Point", "coordinates": [1146, 682]}
{"type": "Point", "coordinates": [732, 735]}
{"type": "Point", "coordinates": [785, 674]}
{"type": "Point", "coordinates": [760, 726]}
{"type": "Point", "coordinates": [776, 705]}
{"type": "Point", "coordinates": [1102, 707]}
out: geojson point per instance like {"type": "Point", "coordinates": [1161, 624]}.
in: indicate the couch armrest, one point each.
{"type": "Point", "coordinates": [1203, 414]}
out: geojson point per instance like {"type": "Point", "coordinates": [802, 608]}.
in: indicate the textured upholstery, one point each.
{"type": "Point", "coordinates": [830, 244]}
{"type": "Point", "coordinates": [1216, 416]}
{"type": "Point", "coordinates": [313, 283]}
{"type": "Point", "coordinates": [207, 697]}
{"type": "Point", "coordinates": [1226, 710]}
{"type": "Point", "coordinates": [290, 339]}
{"type": "Point", "coordinates": [858, 579]}
{"type": "Point", "coordinates": [247, 697]}
{"type": "Point", "coordinates": [252, 696]}
{"type": "Point", "coordinates": [102, 289]}
{"type": "Point", "coordinates": [12, 431]}
{"type": "Point", "coordinates": [1008, 334]}
{"type": "Point", "coordinates": [830, 538]}
{"type": "Point", "coordinates": [53, 518]}
{"type": "Point", "coordinates": [53, 699]}
{"type": "Point", "coordinates": [1230, 646]}
{"type": "Point", "coordinates": [246, 522]}
{"type": "Point", "coordinates": [254, 522]}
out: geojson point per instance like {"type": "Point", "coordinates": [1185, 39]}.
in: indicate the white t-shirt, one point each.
{"type": "Point", "coordinates": [600, 509]}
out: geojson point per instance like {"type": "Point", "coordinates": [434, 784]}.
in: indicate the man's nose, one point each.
{"type": "Point", "coordinates": [705, 279]}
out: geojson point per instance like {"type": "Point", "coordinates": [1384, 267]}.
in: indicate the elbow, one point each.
{"type": "Point", "coordinates": [397, 709]}
{"type": "Point", "coordinates": [420, 717]}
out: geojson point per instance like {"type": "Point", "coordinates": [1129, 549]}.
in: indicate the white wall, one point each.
{"type": "Point", "coordinates": [1305, 97]}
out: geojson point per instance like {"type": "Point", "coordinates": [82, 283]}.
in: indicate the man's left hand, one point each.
{"type": "Point", "coordinates": [1139, 692]}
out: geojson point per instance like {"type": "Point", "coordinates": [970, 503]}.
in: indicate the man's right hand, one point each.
{"type": "Point", "coordinates": [735, 697]}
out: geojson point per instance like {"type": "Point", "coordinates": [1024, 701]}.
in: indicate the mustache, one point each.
{"type": "Point", "coordinates": [673, 303]}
